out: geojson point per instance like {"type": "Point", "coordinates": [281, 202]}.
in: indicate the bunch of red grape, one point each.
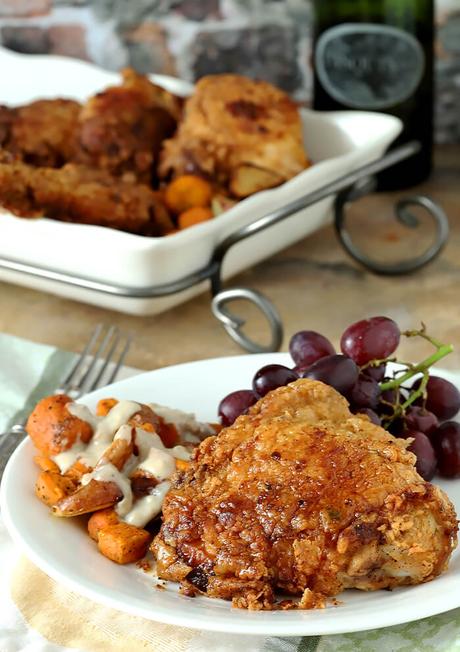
{"type": "Point", "coordinates": [408, 401]}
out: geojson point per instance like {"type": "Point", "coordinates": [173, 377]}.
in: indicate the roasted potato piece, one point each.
{"type": "Point", "coordinates": [101, 520]}
{"type": "Point", "coordinates": [148, 420]}
{"type": "Point", "coordinates": [247, 179]}
{"type": "Point", "coordinates": [123, 543]}
{"type": "Point", "coordinates": [187, 191]}
{"type": "Point", "coordinates": [52, 487]}
{"type": "Point", "coordinates": [53, 429]}
{"type": "Point", "coordinates": [117, 454]}
{"type": "Point", "coordinates": [142, 483]}
{"type": "Point", "coordinates": [88, 498]}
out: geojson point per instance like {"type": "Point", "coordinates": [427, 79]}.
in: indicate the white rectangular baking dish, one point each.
{"type": "Point", "coordinates": [337, 143]}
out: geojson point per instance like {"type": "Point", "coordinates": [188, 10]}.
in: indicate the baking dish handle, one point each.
{"type": "Point", "coordinates": [348, 188]}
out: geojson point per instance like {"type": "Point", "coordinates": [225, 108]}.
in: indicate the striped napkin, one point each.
{"type": "Point", "coordinates": [39, 615]}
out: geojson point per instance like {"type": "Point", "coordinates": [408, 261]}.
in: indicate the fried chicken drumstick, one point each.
{"type": "Point", "coordinates": [303, 496]}
{"type": "Point", "coordinates": [121, 129]}
{"type": "Point", "coordinates": [76, 193]}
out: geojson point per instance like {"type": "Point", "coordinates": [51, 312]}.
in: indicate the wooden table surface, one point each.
{"type": "Point", "coordinates": [314, 285]}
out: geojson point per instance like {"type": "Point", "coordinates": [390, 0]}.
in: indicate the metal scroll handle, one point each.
{"type": "Point", "coordinates": [234, 324]}
{"type": "Point", "coordinates": [347, 188]}
{"type": "Point", "coordinates": [403, 214]}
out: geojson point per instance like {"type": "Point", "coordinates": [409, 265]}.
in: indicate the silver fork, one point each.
{"type": "Point", "coordinates": [89, 371]}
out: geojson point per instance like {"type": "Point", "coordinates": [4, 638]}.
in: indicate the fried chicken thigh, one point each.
{"type": "Point", "coordinates": [245, 134]}
{"type": "Point", "coordinates": [302, 496]}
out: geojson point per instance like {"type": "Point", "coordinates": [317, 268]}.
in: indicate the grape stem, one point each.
{"type": "Point", "coordinates": [421, 367]}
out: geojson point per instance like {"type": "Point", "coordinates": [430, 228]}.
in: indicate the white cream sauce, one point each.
{"type": "Point", "coordinates": [104, 429]}
{"type": "Point", "coordinates": [159, 464]}
{"type": "Point", "coordinates": [147, 507]}
{"type": "Point", "coordinates": [153, 458]}
{"type": "Point", "coordinates": [65, 459]}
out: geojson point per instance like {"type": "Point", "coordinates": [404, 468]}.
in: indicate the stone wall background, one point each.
{"type": "Point", "coordinates": [269, 39]}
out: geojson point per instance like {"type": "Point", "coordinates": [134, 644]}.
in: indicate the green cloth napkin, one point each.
{"type": "Point", "coordinates": [29, 371]}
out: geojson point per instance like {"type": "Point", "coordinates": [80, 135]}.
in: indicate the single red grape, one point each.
{"type": "Point", "coordinates": [338, 371]}
{"type": "Point", "coordinates": [423, 450]}
{"type": "Point", "coordinates": [417, 418]}
{"type": "Point", "coordinates": [443, 398]}
{"type": "Point", "coordinates": [306, 347]}
{"type": "Point", "coordinates": [446, 442]}
{"type": "Point", "coordinates": [272, 376]}
{"type": "Point", "coordinates": [235, 404]}
{"type": "Point", "coordinates": [397, 428]}
{"type": "Point", "coordinates": [370, 339]}
{"type": "Point", "coordinates": [388, 398]}
{"type": "Point", "coordinates": [365, 393]}
{"type": "Point", "coordinates": [377, 373]}
{"type": "Point", "coordinates": [371, 414]}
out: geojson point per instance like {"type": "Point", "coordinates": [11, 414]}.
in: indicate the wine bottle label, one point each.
{"type": "Point", "coordinates": [368, 66]}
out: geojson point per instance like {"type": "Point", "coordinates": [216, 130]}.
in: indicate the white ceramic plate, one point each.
{"type": "Point", "coordinates": [63, 550]}
{"type": "Point", "coordinates": [337, 143]}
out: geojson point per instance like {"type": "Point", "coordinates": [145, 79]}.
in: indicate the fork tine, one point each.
{"type": "Point", "coordinates": [67, 381]}
{"type": "Point", "coordinates": [106, 362]}
{"type": "Point", "coordinates": [120, 360]}
{"type": "Point", "coordinates": [98, 354]}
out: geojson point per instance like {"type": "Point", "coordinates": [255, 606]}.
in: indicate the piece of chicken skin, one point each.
{"type": "Point", "coordinates": [121, 128]}
{"type": "Point", "coordinates": [245, 135]}
{"type": "Point", "coordinates": [76, 193]}
{"type": "Point", "coordinates": [41, 133]}
{"type": "Point", "coordinates": [302, 496]}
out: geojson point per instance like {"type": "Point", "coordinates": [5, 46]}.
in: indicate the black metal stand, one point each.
{"type": "Point", "coordinates": [347, 189]}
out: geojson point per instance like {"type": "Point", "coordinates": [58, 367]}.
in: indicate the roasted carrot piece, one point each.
{"type": "Point", "coordinates": [104, 406]}
{"type": "Point", "coordinates": [182, 465]}
{"type": "Point", "coordinates": [52, 487]}
{"type": "Point", "coordinates": [187, 191]}
{"type": "Point", "coordinates": [193, 216]}
{"type": "Point", "coordinates": [123, 543]}
{"type": "Point", "coordinates": [46, 464]}
{"type": "Point", "coordinates": [88, 498]}
{"type": "Point", "coordinates": [147, 426]}
{"type": "Point", "coordinates": [53, 429]}
{"type": "Point", "coordinates": [100, 520]}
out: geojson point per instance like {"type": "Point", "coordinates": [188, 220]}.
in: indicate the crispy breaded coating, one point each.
{"type": "Point", "coordinates": [78, 194]}
{"type": "Point", "coordinates": [302, 496]}
{"type": "Point", "coordinates": [121, 128]}
{"type": "Point", "coordinates": [244, 134]}
{"type": "Point", "coordinates": [41, 133]}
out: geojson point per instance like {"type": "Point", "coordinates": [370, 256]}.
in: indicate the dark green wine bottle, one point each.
{"type": "Point", "coordinates": [377, 55]}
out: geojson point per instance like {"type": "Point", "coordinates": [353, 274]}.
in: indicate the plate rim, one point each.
{"type": "Point", "coordinates": [223, 623]}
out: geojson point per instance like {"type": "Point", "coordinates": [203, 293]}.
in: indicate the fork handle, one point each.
{"type": "Point", "coordinates": [9, 441]}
